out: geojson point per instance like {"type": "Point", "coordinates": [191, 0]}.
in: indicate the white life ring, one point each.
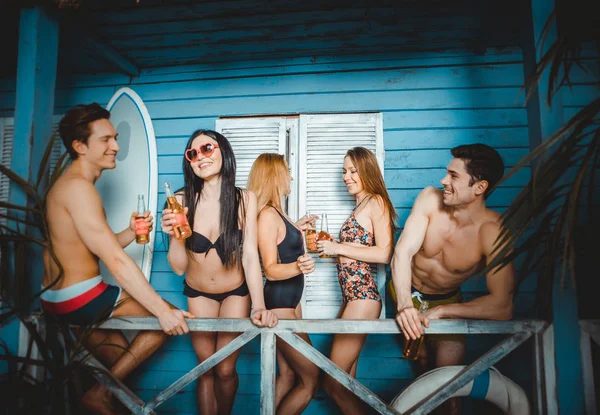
{"type": "Point", "coordinates": [491, 385]}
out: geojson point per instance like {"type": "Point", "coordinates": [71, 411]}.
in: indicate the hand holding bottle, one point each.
{"type": "Point", "coordinates": [178, 221]}
{"type": "Point", "coordinates": [326, 245]}
{"type": "Point", "coordinates": [308, 224]}
{"type": "Point", "coordinates": [412, 346]}
{"type": "Point", "coordinates": [169, 220]}
{"type": "Point", "coordinates": [141, 222]}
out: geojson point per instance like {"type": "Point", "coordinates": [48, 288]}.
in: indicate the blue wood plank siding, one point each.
{"type": "Point", "coordinates": [430, 102]}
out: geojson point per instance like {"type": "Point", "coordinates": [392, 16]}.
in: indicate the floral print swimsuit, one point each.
{"type": "Point", "coordinates": [356, 280]}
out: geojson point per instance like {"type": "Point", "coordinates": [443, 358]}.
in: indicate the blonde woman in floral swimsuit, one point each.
{"type": "Point", "coordinates": [366, 237]}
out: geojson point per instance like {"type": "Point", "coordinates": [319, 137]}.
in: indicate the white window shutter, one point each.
{"type": "Point", "coordinates": [324, 140]}
{"type": "Point", "coordinates": [57, 146]}
{"type": "Point", "coordinates": [6, 149]}
{"type": "Point", "coordinates": [250, 137]}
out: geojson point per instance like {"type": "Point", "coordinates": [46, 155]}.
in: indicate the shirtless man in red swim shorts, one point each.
{"type": "Point", "coordinates": [80, 236]}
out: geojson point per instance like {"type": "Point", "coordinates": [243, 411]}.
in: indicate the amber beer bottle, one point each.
{"type": "Point", "coordinates": [181, 229]}
{"type": "Point", "coordinates": [142, 233]}
{"type": "Point", "coordinates": [411, 347]}
{"type": "Point", "coordinates": [311, 236]}
{"type": "Point", "coordinates": [324, 233]}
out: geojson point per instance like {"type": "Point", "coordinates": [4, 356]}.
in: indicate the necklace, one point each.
{"type": "Point", "coordinates": [361, 202]}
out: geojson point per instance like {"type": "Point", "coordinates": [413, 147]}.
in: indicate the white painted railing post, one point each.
{"type": "Point", "coordinates": [545, 372]}
{"type": "Point", "coordinates": [267, 373]}
{"type": "Point", "coordinates": [585, 344]}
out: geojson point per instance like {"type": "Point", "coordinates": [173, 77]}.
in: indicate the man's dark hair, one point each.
{"type": "Point", "coordinates": [75, 125]}
{"type": "Point", "coordinates": [482, 163]}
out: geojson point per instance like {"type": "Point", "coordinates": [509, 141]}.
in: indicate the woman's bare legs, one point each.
{"type": "Point", "coordinates": [305, 372]}
{"type": "Point", "coordinates": [344, 353]}
{"type": "Point", "coordinates": [204, 344]}
{"type": "Point", "coordinates": [226, 378]}
{"type": "Point", "coordinates": [286, 378]}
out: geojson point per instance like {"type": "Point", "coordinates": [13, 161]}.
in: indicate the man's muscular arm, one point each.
{"type": "Point", "coordinates": [90, 223]}
{"type": "Point", "coordinates": [498, 303]}
{"type": "Point", "coordinates": [408, 245]}
{"type": "Point", "coordinates": [125, 237]}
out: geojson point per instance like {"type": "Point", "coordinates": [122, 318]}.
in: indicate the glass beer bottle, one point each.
{"type": "Point", "coordinates": [411, 347]}
{"type": "Point", "coordinates": [181, 228]}
{"type": "Point", "coordinates": [142, 232]}
{"type": "Point", "coordinates": [324, 233]}
{"type": "Point", "coordinates": [311, 236]}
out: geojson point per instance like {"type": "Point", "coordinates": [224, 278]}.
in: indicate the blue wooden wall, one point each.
{"type": "Point", "coordinates": [430, 102]}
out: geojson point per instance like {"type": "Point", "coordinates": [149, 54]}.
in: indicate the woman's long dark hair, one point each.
{"type": "Point", "coordinates": [231, 199]}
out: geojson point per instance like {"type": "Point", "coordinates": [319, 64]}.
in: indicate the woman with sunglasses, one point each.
{"type": "Point", "coordinates": [220, 260]}
{"type": "Point", "coordinates": [365, 237]}
{"type": "Point", "coordinates": [281, 247]}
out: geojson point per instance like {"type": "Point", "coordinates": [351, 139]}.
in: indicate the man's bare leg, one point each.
{"type": "Point", "coordinates": [449, 353]}
{"type": "Point", "coordinates": [98, 398]}
{"type": "Point", "coordinates": [106, 345]}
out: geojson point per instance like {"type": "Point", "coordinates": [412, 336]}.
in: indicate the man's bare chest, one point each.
{"type": "Point", "coordinates": [458, 250]}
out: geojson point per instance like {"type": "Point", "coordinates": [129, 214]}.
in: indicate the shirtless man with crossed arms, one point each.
{"type": "Point", "coordinates": [80, 236]}
{"type": "Point", "coordinates": [448, 237]}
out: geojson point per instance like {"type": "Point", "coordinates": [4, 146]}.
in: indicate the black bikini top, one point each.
{"type": "Point", "coordinates": [292, 245]}
{"type": "Point", "coordinates": [201, 244]}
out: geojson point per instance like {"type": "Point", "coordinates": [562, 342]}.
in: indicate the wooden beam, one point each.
{"type": "Point", "coordinates": [34, 106]}
{"type": "Point", "coordinates": [469, 373]}
{"type": "Point", "coordinates": [529, 65]}
{"type": "Point", "coordinates": [569, 382]}
{"type": "Point", "coordinates": [114, 385]}
{"type": "Point", "coordinates": [590, 326]}
{"type": "Point", "coordinates": [103, 50]}
{"type": "Point", "coordinates": [588, 367]}
{"type": "Point", "coordinates": [380, 326]}
{"type": "Point", "coordinates": [36, 87]}
{"type": "Point", "coordinates": [338, 374]}
{"type": "Point", "coordinates": [267, 373]}
{"type": "Point", "coordinates": [202, 368]}
{"type": "Point", "coordinates": [544, 372]}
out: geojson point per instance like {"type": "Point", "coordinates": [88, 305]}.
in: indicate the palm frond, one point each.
{"type": "Point", "coordinates": [27, 209]}
{"type": "Point", "coordinates": [550, 203]}
{"type": "Point", "coordinates": [45, 162]}
{"type": "Point", "coordinates": [18, 180]}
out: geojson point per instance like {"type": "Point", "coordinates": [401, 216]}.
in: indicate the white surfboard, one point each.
{"type": "Point", "coordinates": [136, 173]}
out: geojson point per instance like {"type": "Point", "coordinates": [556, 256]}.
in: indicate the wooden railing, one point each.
{"type": "Point", "coordinates": [590, 330]}
{"type": "Point", "coordinates": [517, 333]}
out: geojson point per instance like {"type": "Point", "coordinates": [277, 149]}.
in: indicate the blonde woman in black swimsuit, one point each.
{"type": "Point", "coordinates": [285, 262]}
{"type": "Point", "coordinates": [365, 237]}
{"type": "Point", "coordinates": [220, 260]}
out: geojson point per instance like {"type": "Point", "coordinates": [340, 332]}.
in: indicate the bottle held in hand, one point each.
{"type": "Point", "coordinates": [411, 347]}
{"type": "Point", "coordinates": [142, 232]}
{"type": "Point", "coordinates": [311, 236]}
{"type": "Point", "coordinates": [181, 228]}
{"type": "Point", "coordinates": [324, 233]}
